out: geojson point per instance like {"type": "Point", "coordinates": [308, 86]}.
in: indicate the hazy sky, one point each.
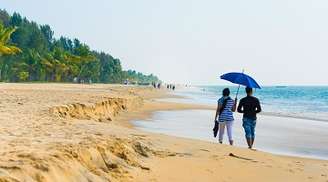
{"type": "Point", "coordinates": [188, 41]}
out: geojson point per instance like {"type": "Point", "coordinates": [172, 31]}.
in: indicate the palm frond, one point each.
{"type": "Point", "coordinates": [9, 50]}
{"type": "Point", "coordinates": [5, 34]}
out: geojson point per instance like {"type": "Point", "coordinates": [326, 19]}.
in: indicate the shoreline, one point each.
{"type": "Point", "coordinates": [88, 137]}
{"type": "Point", "coordinates": [169, 129]}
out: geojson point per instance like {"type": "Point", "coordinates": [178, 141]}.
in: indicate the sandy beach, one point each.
{"type": "Point", "coordinates": [72, 132]}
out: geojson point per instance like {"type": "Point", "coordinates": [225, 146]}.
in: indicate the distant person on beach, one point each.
{"type": "Point", "coordinates": [249, 106]}
{"type": "Point", "coordinates": [224, 115]}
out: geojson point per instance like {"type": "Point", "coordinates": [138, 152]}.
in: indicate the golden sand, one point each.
{"type": "Point", "coordinates": [71, 132]}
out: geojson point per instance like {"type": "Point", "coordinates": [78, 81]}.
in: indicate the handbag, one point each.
{"type": "Point", "coordinates": [215, 129]}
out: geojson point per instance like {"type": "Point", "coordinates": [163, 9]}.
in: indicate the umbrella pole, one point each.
{"type": "Point", "coordinates": [239, 86]}
{"type": "Point", "coordinates": [237, 91]}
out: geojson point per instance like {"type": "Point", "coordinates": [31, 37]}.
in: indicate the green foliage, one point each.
{"type": "Point", "coordinates": [134, 76]}
{"type": "Point", "coordinates": [5, 33]}
{"type": "Point", "coordinates": [45, 58]}
{"type": "Point", "coordinates": [23, 75]}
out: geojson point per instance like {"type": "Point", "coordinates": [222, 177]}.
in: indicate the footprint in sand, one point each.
{"type": "Point", "coordinates": [215, 157]}
{"type": "Point", "coordinates": [184, 154]}
{"type": "Point", "coordinates": [299, 164]}
{"type": "Point", "coordinates": [99, 134]}
{"type": "Point", "coordinates": [210, 171]}
{"type": "Point", "coordinates": [291, 171]}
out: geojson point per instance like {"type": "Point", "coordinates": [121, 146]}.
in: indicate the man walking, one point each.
{"type": "Point", "coordinates": [249, 106]}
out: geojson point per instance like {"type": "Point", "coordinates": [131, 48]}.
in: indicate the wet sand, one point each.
{"type": "Point", "coordinates": [279, 135]}
{"type": "Point", "coordinates": [70, 132]}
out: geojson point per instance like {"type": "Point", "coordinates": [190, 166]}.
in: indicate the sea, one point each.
{"type": "Point", "coordinates": [294, 120]}
{"type": "Point", "coordinates": [310, 102]}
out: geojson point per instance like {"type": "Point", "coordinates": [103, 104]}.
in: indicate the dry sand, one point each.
{"type": "Point", "coordinates": [68, 132]}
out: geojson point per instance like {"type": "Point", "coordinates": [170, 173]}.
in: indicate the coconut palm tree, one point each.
{"type": "Point", "coordinates": [5, 34]}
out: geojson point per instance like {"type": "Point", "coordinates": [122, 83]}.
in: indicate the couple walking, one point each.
{"type": "Point", "coordinates": [249, 106]}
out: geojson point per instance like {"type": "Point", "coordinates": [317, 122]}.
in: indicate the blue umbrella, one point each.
{"type": "Point", "coordinates": [241, 79]}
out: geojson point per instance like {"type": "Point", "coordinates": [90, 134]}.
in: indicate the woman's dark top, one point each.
{"type": "Point", "coordinates": [249, 106]}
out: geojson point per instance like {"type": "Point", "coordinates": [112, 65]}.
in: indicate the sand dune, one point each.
{"type": "Point", "coordinates": [68, 132]}
{"type": "Point", "coordinates": [101, 111]}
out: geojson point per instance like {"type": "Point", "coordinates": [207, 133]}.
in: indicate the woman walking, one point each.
{"type": "Point", "coordinates": [224, 115]}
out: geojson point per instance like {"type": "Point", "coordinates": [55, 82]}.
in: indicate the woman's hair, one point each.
{"type": "Point", "coordinates": [226, 92]}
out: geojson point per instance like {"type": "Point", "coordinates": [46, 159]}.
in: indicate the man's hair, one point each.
{"type": "Point", "coordinates": [248, 90]}
{"type": "Point", "coordinates": [226, 92]}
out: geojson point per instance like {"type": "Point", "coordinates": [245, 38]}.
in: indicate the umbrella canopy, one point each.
{"type": "Point", "coordinates": [241, 79]}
